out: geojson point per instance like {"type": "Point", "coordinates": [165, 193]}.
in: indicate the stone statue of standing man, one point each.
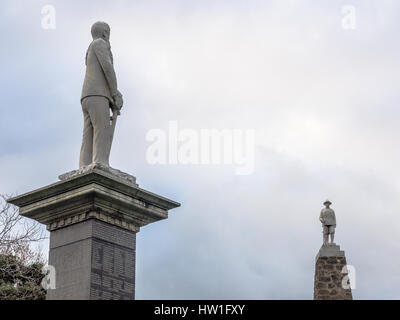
{"type": "Point", "coordinates": [99, 95]}
{"type": "Point", "coordinates": [328, 220]}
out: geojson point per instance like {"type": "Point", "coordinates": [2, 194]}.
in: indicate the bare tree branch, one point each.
{"type": "Point", "coordinates": [17, 232]}
{"type": "Point", "coordinates": [20, 265]}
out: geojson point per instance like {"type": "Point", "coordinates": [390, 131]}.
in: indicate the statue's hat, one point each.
{"type": "Point", "coordinates": [328, 202]}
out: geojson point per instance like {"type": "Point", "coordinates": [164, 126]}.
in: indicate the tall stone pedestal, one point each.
{"type": "Point", "coordinates": [93, 218]}
{"type": "Point", "coordinates": [331, 275]}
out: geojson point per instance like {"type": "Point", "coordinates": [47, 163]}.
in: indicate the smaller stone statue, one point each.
{"type": "Point", "coordinates": [328, 220]}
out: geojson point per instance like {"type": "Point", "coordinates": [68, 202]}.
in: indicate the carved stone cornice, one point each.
{"type": "Point", "coordinates": [93, 195]}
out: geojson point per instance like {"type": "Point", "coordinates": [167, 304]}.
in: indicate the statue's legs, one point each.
{"type": "Point", "coordinates": [325, 239]}
{"type": "Point", "coordinates": [332, 233]}
{"type": "Point", "coordinates": [87, 140]}
{"type": "Point", "coordinates": [325, 235]}
{"type": "Point", "coordinates": [97, 109]}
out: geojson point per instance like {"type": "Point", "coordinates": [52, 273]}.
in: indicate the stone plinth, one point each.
{"type": "Point", "coordinates": [331, 276]}
{"type": "Point", "coordinates": [93, 218]}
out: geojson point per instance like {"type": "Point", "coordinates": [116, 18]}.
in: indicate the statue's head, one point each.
{"type": "Point", "coordinates": [101, 29]}
{"type": "Point", "coordinates": [327, 203]}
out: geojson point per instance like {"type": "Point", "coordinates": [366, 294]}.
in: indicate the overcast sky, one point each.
{"type": "Point", "coordinates": [322, 99]}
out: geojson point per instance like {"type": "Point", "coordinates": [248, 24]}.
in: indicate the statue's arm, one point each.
{"type": "Point", "coordinates": [321, 218]}
{"type": "Point", "coordinates": [102, 53]}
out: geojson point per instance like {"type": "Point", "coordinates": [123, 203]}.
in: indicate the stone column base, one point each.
{"type": "Point", "coordinates": [93, 216]}
{"type": "Point", "coordinates": [331, 275]}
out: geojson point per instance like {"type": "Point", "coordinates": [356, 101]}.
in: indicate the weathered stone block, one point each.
{"type": "Point", "coordinates": [330, 271]}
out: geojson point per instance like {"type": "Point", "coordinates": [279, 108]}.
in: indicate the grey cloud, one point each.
{"type": "Point", "coordinates": [322, 102]}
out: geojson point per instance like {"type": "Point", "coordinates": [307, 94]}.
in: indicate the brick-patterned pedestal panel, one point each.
{"type": "Point", "coordinates": [93, 260]}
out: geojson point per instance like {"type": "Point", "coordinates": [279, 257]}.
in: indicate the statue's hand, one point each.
{"type": "Point", "coordinates": [118, 101]}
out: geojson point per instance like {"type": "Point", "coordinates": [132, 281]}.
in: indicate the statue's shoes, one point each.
{"type": "Point", "coordinates": [127, 178]}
